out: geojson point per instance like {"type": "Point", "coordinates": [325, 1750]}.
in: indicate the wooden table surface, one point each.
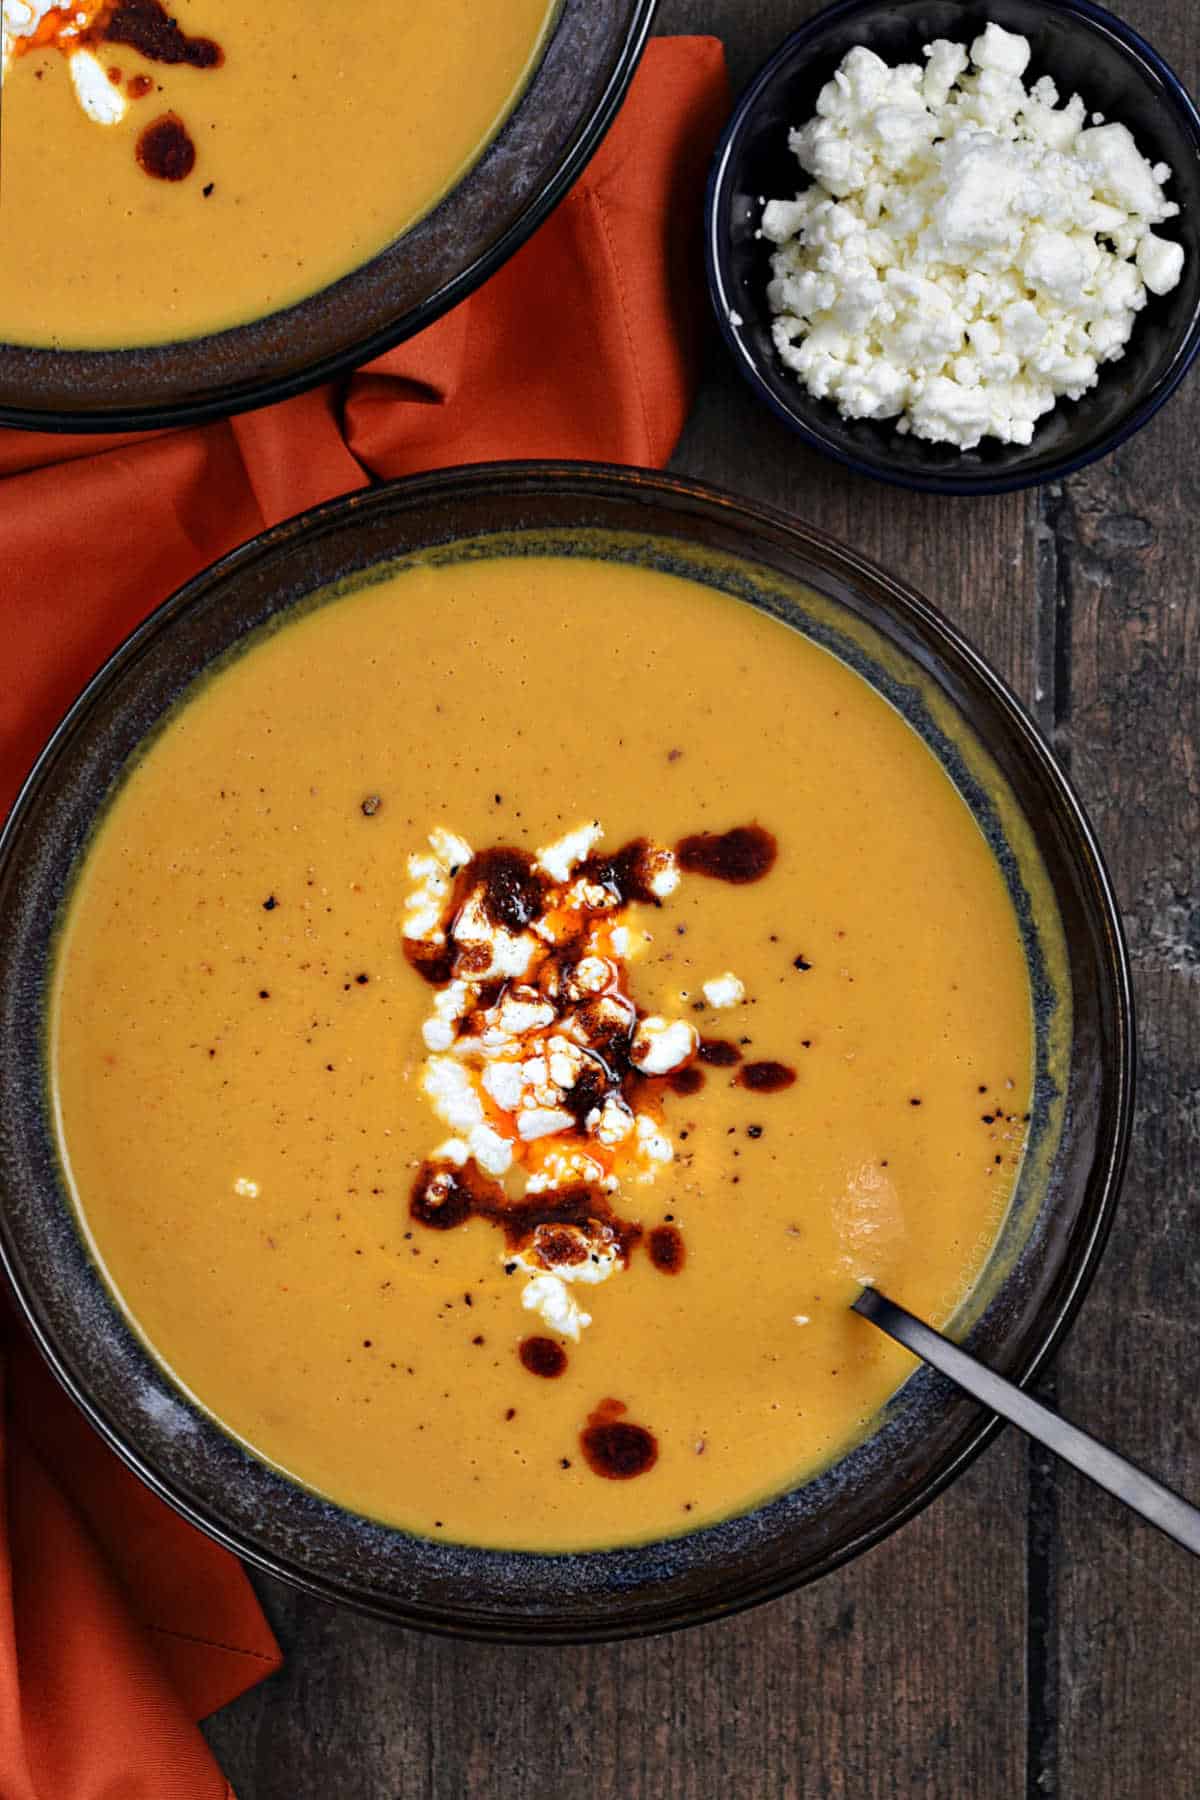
{"type": "Point", "coordinates": [1023, 1637]}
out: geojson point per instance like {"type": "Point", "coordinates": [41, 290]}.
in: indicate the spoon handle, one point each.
{"type": "Point", "coordinates": [1150, 1498]}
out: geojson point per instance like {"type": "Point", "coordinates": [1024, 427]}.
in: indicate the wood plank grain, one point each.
{"type": "Point", "coordinates": [1130, 1635]}
{"type": "Point", "coordinates": [1126, 548]}
{"type": "Point", "coordinates": [902, 1677]}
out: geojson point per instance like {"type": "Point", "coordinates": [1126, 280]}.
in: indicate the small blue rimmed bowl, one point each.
{"type": "Point", "coordinates": [1083, 49]}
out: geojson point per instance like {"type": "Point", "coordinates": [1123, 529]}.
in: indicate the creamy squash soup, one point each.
{"type": "Point", "coordinates": [501, 1020]}
{"type": "Point", "coordinates": [168, 172]}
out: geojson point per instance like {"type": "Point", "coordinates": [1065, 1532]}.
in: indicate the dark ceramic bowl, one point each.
{"type": "Point", "coordinates": [1085, 50]}
{"type": "Point", "coordinates": [567, 106]}
{"type": "Point", "coordinates": [1049, 1246]}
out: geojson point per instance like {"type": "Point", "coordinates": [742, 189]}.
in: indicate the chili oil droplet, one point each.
{"type": "Point", "coordinates": [667, 1250]}
{"type": "Point", "coordinates": [685, 1081]}
{"type": "Point", "coordinates": [147, 26]}
{"type": "Point", "coordinates": [766, 1077]}
{"type": "Point", "coordinates": [542, 1356]}
{"type": "Point", "coordinates": [745, 854]}
{"type": "Point", "coordinates": [165, 151]}
{"type": "Point", "coordinates": [615, 1449]}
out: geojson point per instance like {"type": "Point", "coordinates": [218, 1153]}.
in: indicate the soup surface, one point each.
{"type": "Point", "coordinates": [269, 984]}
{"type": "Point", "coordinates": [261, 152]}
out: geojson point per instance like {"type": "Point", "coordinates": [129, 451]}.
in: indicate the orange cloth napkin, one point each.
{"type": "Point", "coordinates": [120, 1625]}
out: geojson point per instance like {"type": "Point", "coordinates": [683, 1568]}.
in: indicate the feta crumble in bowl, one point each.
{"type": "Point", "coordinates": [821, 237]}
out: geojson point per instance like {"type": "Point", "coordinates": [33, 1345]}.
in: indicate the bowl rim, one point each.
{"type": "Point", "coordinates": [715, 247]}
{"type": "Point", "coordinates": [1092, 1224]}
{"type": "Point", "coordinates": [252, 392]}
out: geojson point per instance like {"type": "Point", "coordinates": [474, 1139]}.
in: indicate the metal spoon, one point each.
{"type": "Point", "coordinates": [1150, 1498]}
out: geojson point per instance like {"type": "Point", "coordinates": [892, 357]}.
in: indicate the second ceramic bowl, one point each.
{"type": "Point", "coordinates": [559, 120]}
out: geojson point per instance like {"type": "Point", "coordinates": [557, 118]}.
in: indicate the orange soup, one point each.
{"type": "Point", "coordinates": [504, 1016]}
{"type": "Point", "coordinates": [166, 172]}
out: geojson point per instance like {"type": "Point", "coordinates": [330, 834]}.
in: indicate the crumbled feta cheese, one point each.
{"type": "Point", "coordinates": [563, 1170]}
{"type": "Point", "coordinates": [560, 858]}
{"type": "Point", "coordinates": [433, 875]}
{"type": "Point", "coordinates": [659, 1047]}
{"type": "Point", "coordinates": [424, 906]}
{"type": "Point", "coordinates": [509, 953]}
{"type": "Point", "coordinates": [548, 1291]}
{"type": "Point", "coordinates": [575, 1253]}
{"type": "Point", "coordinates": [493, 1153]}
{"type": "Point", "coordinates": [451, 1092]}
{"type": "Point", "coordinates": [969, 251]}
{"type": "Point", "coordinates": [590, 894]}
{"type": "Point", "coordinates": [449, 1005]}
{"type": "Point", "coordinates": [451, 850]}
{"type": "Point", "coordinates": [607, 1014]}
{"type": "Point", "coordinates": [651, 1143]}
{"type": "Point", "coordinates": [1000, 49]}
{"type": "Point", "coordinates": [724, 990]}
{"type": "Point", "coordinates": [591, 975]}
{"type": "Point", "coordinates": [438, 1188]}
{"type": "Point", "coordinates": [438, 1034]}
{"type": "Point", "coordinates": [611, 1123]}
{"type": "Point", "coordinates": [502, 1075]}
{"type": "Point", "coordinates": [564, 1060]}
{"type": "Point", "coordinates": [518, 1017]}
{"type": "Point", "coordinates": [1120, 173]}
{"type": "Point", "coordinates": [663, 873]}
{"type": "Point", "coordinates": [101, 100]}
{"type": "Point", "coordinates": [543, 1121]}
{"type": "Point", "coordinates": [20, 19]}
{"type": "Point", "coordinates": [504, 1082]}
{"type": "Point", "coordinates": [1160, 263]}
{"type": "Point", "coordinates": [556, 1306]}
{"type": "Point", "coordinates": [535, 1072]}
